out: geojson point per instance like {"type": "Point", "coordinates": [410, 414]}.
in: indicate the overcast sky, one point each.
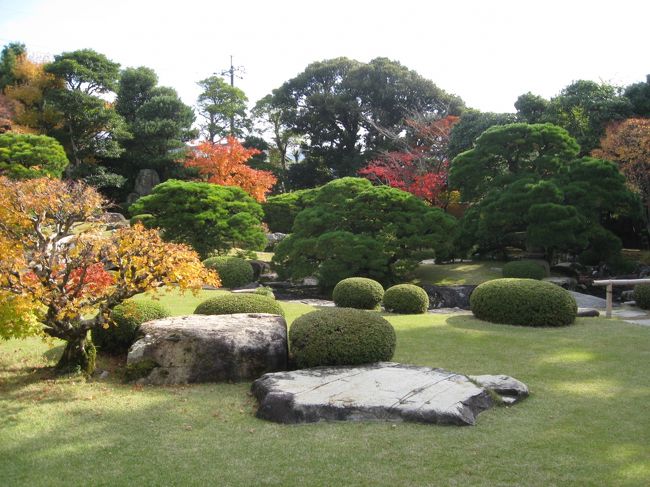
{"type": "Point", "coordinates": [486, 51]}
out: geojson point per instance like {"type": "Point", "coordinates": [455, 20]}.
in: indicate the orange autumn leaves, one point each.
{"type": "Point", "coordinates": [225, 164]}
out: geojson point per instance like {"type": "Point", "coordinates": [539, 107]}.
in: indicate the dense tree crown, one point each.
{"type": "Point", "coordinates": [224, 164]}
{"type": "Point", "coordinates": [208, 217]}
{"type": "Point", "coordinates": [31, 156]}
{"type": "Point", "coordinates": [420, 167]}
{"type": "Point", "coordinates": [159, 122]}
{"type": "Point", "coordinates": [627, 143]}
{"type": "Point", "coordinates": [353, 228]}
{"type": "Point", "coordinates": [583, 108]}
{"type": "Point", "coordinates": [58, 278]}
{"type": "Point", "coordinates": [222, 108]}
{"type": "Point", "coordinates": [527, 188]}
{"type": "Point", "coordinates": [342, 107]}
{"type": "Point", "coordinates": [90, 129]}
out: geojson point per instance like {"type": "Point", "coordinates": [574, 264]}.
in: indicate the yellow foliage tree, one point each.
{"type": "Point", "coordinates": [52, 275]}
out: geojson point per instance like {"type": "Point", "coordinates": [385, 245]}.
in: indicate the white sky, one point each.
{"type": "Point", "coordinates": [488, 52]}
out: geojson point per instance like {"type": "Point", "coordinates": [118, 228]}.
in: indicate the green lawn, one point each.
{"type": "Point", "coordinates": [585, 423]}
{"type": "Point", "coordinates": [457, 274]}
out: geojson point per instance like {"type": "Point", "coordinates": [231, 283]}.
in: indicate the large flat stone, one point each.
{"type": "Point", "coordinates": [201, 348]}
{"type": "Point", "coordinates": [383, 391]}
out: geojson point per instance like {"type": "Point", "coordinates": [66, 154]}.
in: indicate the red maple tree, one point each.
{"type": "Point", "coordinates": [225, 164]}
{"type": "Point", "coordinates": [422, 167]}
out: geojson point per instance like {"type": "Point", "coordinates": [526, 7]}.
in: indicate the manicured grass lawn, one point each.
{"type": "Point", "coordinates": [460, 273]}
{"type": "Point", "coordinates": [586, 422]}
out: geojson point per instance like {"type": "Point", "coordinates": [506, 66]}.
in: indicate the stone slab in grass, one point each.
{"type": "Point", "coordinates": [383, 391]}
{"type": "Point", "coordinates": [202, 348]}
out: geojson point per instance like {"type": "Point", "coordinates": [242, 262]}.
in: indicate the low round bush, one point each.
{"type": "Point", "coordinates": [341, 336]}
{"type": "Point", "coordinates": [406, 299]}
{"type": "Point", "coordinates": [525, 269]}
{"type": "Point", "coordinates": [226, 304]}
{"type": "Point", "coordinates": [127, 318]}
{"type": "Point", "coordinates": [358, 292]}
{"type": "Point", "coordinates": [524, 302]}
{"type": "Point", "coordinates": [642, 295]}
{"type": "Point", "coordinates": [233, 271]}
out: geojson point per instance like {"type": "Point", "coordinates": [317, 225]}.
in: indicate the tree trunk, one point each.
{"type": "Point", "coordinates": [78, 355]}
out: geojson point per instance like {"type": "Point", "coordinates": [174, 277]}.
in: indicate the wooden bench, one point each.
{"type": "Point", "coordinates": [610, 283]}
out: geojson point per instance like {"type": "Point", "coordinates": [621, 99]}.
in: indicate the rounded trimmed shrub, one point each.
{"type": "Point", "coordinates": [234, 272]}
{"type": "Point", "coordinates": [642, 295]}
{"type": "Point", "coordinates": [231, 303]}
{"type": "Point", "coordinates": [525, 269]}
{"type": "Point", "coordinates": [341, 336]}
{"type": "Point", "coordinates": [127, 318]}
{"type": "Point", "coordinates": [406, 299]}
{"type": "Point", "coordinates": [358, 292]}
{"type": "Point", "coordinates": [524, 302]}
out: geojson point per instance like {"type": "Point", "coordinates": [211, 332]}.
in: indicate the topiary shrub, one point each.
{"type": "Point", "coordinates": [231, 303]}
{"type": "Point", "coordinates": [358, 292]}
{"type": "Point", "coordinates": [406, 299]}
{"type": "Point", "coordinates": [524, 302]}
{"type": "Point", "coordinates": [524, 269]}
{"type": "Point", "coordinates": [233, 271]}
{"type": "Point", "coordinates": [642, 295]}
{"type": "Point", "coordinates": [206, 216]}
{"type": "Point", "coordinates": [25, 156]}
{"type": "Point", "coordinates": [341, 336]}
{"type": "Point", "coordinates": [127, 318]}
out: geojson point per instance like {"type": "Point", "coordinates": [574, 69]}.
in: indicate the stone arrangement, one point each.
{"type": "Point", "coordinates": [200, 348]}
{"type": "Point", "coordinates": [383, 391]}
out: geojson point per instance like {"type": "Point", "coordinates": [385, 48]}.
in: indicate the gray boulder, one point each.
{"type": "Point", "coordinates": [383, 391]}
{"type": "Point", "coordinates": [201, 348]}
{"type": "Point", "coordinates": [508, 388]}
{"type": "Point", "coordinates": [145, 181]}
{"type": "Point", "coordinates": [274, 238]}
{"type": "Point", "coordinates": [448, 296]}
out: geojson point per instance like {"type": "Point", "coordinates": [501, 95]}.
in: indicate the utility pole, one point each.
{"type": "Point", "coordinates": [231, 72]}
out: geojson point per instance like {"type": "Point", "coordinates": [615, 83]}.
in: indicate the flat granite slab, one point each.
{"type": "Point", "coordinates": [384, 391]}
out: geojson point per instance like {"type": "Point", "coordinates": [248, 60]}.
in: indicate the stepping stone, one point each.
{"type": "Point", "coordinates": [384, 391]}
{"type": "Point", "coordinates": [640, 322]}
{"type": "Point", "coordinates": [509, 389]}
{"type": "Point", "coordinates": [628, 313]}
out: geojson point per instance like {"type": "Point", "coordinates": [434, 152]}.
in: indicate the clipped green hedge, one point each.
{"type": "Point", "coordinates": [524, 302]}
{"type": "Point", "coordinates": [358, 292]}
{"type": "Point", "coordinates": [406, 299]}
{"type": "Point", "coordinates": [234, 272]}
{"type": "Point", "coordinates": [231, 303]}
{"type": "Point", "coordinates": [127, 318]}
{"type": "Point", "coordinates": [525, 269]}
{"type": "Point", "coordinates": [642, 295]}
{"type": "Point", "coordinates": [341, 336]}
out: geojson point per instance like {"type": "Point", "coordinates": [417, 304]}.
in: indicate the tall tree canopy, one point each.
{"type": "Point", "coordinates": [225, 164]}
{"type": "Point", "coordinates": [627, 143]}
{"type": "Point", "coordinates": [583, 108]}
{"type": "Point", "coordinates": [527, 187]}
{"type": "Point", "coordinates": [160, 124]}
{"type": "Point", "coordinates": [9, 57]}
{"type": "Point", "coordinates": [223, 109]}
{"type": "Point", "coordinates": [341, 107]}
{"type": "Point", "coordinates": [91, 128]}
{"type": "Point", "coordinates": [639, 96]}
{"type": "Point", "coordinates": [473, 123]}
